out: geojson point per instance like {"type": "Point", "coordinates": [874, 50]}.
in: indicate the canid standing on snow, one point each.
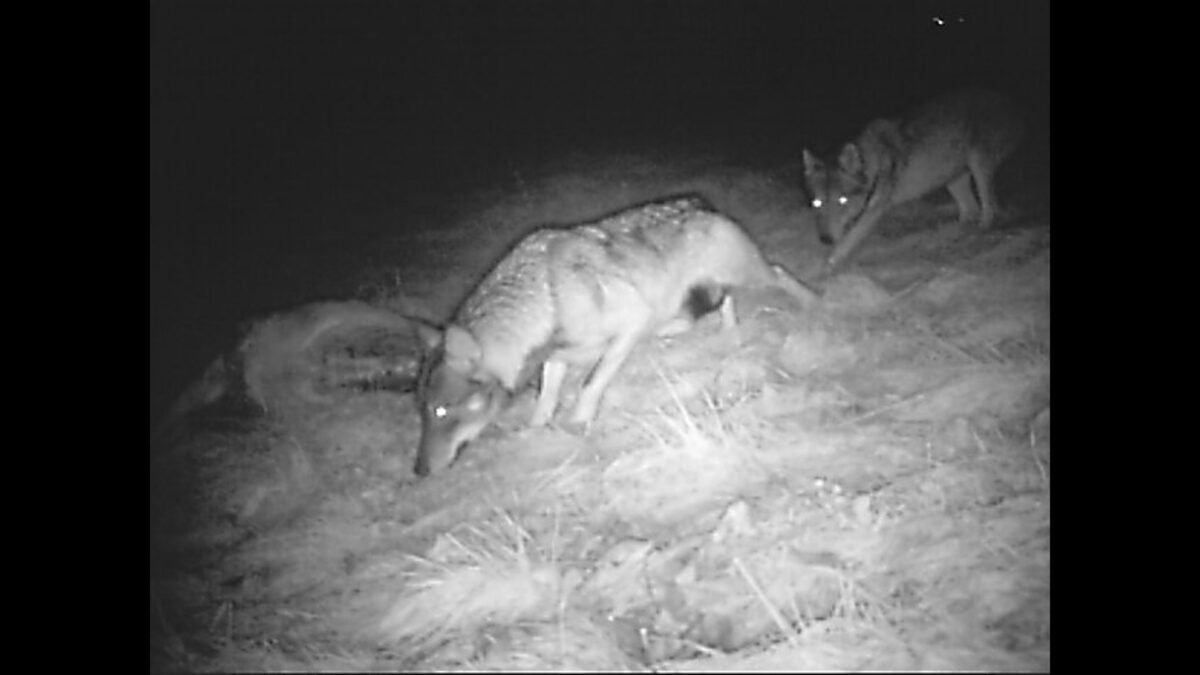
{"type": "Point", "coordinates": [946, 143]}
{"type": "Point", "coordinates": [582, 295]}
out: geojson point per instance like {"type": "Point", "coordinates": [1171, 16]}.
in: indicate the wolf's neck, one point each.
{"type": "Point", "coordinates": [513, 352]}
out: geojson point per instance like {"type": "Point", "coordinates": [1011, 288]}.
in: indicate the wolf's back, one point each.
{"type": "Point", "coordinates": [653, 256]}
{"type": "Point", "coordinates": [979, 118]}
{"type": "Point", "coordinates": [559, 284]}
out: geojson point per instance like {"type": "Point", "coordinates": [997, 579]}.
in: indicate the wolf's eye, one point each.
{"type": "Point", "coordinates": [816, 203]}
{"type": "Point", "coordinates": [440, 411]}
{"type": "Point", "coordinates": [475, 403]}
{"type": "Point", "coordinates": [843, 199]}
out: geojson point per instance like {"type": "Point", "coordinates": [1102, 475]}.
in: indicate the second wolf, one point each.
{"type": "Point", "coordinates": [583, 295]}
{"type": "Point", "coordinates": [949, 142]}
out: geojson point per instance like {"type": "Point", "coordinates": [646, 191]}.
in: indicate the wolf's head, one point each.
{"type": "Point", "coordinates": [457, 400]}
{"type": "Point", "coordinates": [837, 195]}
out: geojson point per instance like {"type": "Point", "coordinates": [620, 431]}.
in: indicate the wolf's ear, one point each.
{"type": "Point", "coordinates": [461, 346]}
{"type": "Point", "coordinates": [851, 158]}
{"type": "Point", "coordinates": [890, 126]}
{"type": "Point", "coordinates": [887, 132]}
{"type": "Point", "coordinates": [812, 163]}
{"type": "Point", "coordinates": [429, 334]}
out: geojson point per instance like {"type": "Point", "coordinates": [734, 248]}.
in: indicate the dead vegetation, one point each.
{"type": "Point", "coordinates": [862, 486]}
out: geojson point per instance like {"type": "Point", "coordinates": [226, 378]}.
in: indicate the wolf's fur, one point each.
{"type": "Point", "coordinates": [281, 362]}
{"type": "Point", "coordinates": [946, 143]}
{"type": "Point", "coordinates": [284, 355]}
{"type": "Point", "coordinates": [205, 391]}
{"type": "Point", "coordinates": [581, 295]}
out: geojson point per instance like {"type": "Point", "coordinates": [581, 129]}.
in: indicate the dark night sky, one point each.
{"type": "Point", "coordinates": [282, 130]}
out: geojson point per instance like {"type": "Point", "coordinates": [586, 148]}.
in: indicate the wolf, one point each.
{"type": "Point", "coordinates": [950, 142]}
{"type": "Point", "coordinates": [582, 295]}
{"type": "Point", "coordinates": [288, 360]}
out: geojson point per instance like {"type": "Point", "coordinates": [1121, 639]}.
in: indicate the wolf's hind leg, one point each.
{"type": "Point", "coordinates": [984, 173]}
{"type": "Point", "coordinates": [960, 189]}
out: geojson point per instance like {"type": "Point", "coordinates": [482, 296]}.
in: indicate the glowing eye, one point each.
{"type": "Point", "coordinates": [842, 200]}
{"type": "Point", "coordinates": [440, 411]}
{"type": "Point", "coordinates": [816, 203]}
{"type": "Point", "coordinates": [476, 403]}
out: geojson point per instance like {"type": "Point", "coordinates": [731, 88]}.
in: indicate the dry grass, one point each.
{"type": "Point", "coordinates": [865, 486]}
{"type": "Point", "coordinates": [488, 597]}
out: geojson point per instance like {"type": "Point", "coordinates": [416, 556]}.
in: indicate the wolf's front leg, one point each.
{"type": "Point", "coordinates": [866, 224]}
{"type": "Point", "coordinates": [612, 360]}
{"type": "Point", "coordinates": [553, 373]}
{"type": "Point", "coordinates": [794, 287]}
